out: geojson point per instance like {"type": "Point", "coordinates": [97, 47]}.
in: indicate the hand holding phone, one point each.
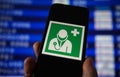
{"type": "Point", "coordinates": [63, 47]}
{"type": "Point", "coordinates": [29, 65]}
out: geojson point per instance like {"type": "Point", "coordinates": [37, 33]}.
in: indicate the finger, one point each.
{"type": "Point", "coordinates": [29, 66]}
{"type": "Point", "coordinates": [36, 48]}
{"type": "Point", "coordinates": [89, 69]}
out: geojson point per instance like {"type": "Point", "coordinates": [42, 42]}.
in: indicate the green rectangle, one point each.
{"type": "Point", "coordinates": [64, 40]}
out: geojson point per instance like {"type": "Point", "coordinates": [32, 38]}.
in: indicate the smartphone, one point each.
{"type": "Point", "coordinates": [63, 47]}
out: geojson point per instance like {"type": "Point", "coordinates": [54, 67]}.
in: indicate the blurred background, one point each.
{"type": "Point", "coordinates": [22, 23]}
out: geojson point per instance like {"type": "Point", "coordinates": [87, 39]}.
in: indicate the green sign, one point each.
{"type": "Point", "coordinates": [64, 40]}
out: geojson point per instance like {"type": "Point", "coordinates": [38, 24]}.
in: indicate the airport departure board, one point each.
{"type": "Point", "coordinates": [22, 23]}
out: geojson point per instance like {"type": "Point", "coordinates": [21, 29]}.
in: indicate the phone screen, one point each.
{"type": "Point", "coordinates": [63, 48]}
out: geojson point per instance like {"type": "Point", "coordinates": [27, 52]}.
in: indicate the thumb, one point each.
{"type": "Point", "coordinates": [89, 69]}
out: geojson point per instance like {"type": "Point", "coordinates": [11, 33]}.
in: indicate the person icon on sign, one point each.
{"type": "Point", "coordinates": [61, 43]}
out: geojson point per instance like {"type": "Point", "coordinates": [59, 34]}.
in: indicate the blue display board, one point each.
{"type": "Point", "coordinates": [22, 23]}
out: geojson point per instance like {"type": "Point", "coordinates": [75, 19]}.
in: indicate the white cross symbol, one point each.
{"type": "Point", "coordinates": [74, 32]}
